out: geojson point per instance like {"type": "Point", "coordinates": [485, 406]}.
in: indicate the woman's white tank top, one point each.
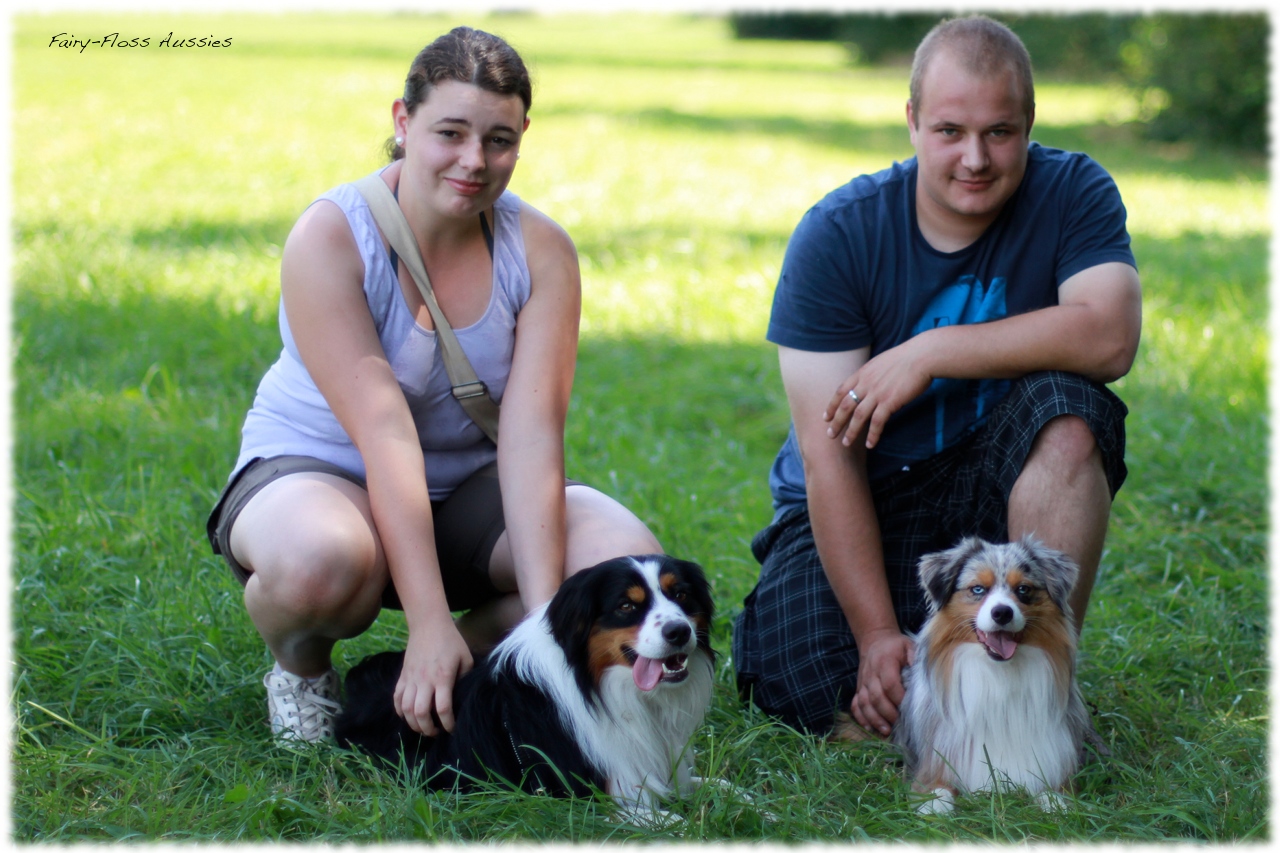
{"type": "Point", "coordinates": [290, 416]}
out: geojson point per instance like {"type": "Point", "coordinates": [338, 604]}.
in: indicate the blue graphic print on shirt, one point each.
{"type": "Point", "coordinates": [959, 402]}
{"type": "Point", "coordinates": [857, 273]}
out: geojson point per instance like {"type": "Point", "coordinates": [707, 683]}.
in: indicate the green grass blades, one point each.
{"type": "Point", "coordinates": [152, 190]}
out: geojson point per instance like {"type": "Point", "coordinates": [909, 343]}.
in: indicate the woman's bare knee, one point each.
{"type": "Point", "coordinates": [322, 577]}
{"type": "Point", "coordinates": [600, 529]}
{"type": "Point", "coordinates": [312, 546]}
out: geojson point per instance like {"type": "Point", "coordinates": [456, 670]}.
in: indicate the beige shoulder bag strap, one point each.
{"type": "Point", "coordinates": [468, 390]}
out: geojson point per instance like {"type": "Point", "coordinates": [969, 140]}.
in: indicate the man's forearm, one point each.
{"type": "Point", "coordinates": [1090, 334]}
{"type": "Point", "coordinates": [847, 535]}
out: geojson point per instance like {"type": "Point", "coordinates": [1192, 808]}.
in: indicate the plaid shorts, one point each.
{"type": "Point", "coordinates": [793, 651]}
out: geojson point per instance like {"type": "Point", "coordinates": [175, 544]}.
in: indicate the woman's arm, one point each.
{"type": "Point", "coordinates": [534, 406]}
{"type": "Point", "coordinates": [321, 280]}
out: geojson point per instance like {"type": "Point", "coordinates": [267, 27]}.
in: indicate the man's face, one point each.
{"type": "Point", "coordinates": [970, 134]}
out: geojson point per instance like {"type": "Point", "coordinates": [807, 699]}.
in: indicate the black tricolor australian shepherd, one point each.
{"type": "Point", "coordinates": [602, 687]}
{"type": "Point", "coordinates": [992, 693]}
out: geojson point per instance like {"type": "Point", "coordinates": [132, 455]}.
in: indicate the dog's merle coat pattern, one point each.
{"type": "Point", "coordinates": [992, 696]}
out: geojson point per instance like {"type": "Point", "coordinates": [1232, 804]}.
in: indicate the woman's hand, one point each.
{"type": "Point", "coordinates": [435, 659]}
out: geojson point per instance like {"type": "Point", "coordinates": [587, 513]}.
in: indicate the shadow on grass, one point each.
{"type": "Point", "coordinates": [126, 627]}
{"type": "Point", "coordinates": [207, 233]}
{"type": "Point", "coordinates": [109, 336]}
{"type": "Point", "coordinates": [888, 139]}
{"type": "Point", "coordinates": [184, 235]}
{"type": "Point", "coordinates": [1126, 149]}
{"type": "Point", "coordinates": [623, 245]}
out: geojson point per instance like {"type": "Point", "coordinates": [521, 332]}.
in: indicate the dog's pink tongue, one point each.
{"type": "Point", "coordinates": [647, 672]}
{"type": "Point", "coordinates": [1001, 643]}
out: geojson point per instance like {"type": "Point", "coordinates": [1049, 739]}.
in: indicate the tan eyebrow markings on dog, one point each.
{"type": "Point", "coordinates": [984, 576]}
{"type": "Point", "coordinates": [636, 594]}
{"type": "Point", "coordinates": [1015, 577]}
{"type": "Point", "coordinates": [667, 581]}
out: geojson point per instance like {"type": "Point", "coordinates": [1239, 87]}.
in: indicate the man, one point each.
{"type": "Point", "coordinates": [945, 330]}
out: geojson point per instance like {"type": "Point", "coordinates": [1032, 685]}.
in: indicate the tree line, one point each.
{"type": "Point", "coordinates": [1199, 77]}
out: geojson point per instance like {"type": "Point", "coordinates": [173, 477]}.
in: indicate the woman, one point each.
{"type": "Point", "coordinates": [361, 482]}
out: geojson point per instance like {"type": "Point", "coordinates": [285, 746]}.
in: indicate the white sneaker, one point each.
{"type": "Point", "coordinates": [301, 708]}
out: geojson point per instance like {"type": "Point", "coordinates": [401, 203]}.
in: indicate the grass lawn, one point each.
{"type": "Point", "coordinates": [152, 190]}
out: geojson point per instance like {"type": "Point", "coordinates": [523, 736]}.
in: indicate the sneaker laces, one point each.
{"type": "Point", "coordinates": [301, 709]}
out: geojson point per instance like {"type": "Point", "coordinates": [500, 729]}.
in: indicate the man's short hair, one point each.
{"type": "Point", "coordinates": [985, 46]}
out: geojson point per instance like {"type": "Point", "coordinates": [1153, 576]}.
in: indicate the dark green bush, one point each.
{"type": "Point", "coordinates": [799, 26]}
{"type": "Point", "coordinates": [1080, 47]}
{"type": "Point", "coordinates": [871, 37]}
{"type": "Point", "coordinates": [877, 38]}
{"type": "Point", "coordinates": [1200, 77]}
{"type": "Point", "coordinates": [1203, 76]}
{"type": "Point", "coordinates": [1075, 44]}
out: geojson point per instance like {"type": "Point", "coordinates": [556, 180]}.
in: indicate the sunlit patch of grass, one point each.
{"type": "Point", "coordinates": [152, 193]}
{"type": "Point", "coordinates": [1066, 104]}
{"type": "Point", "coordinates": [1173, 206]}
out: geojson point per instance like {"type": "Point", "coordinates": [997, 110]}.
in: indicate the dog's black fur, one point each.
{"type": "Point", "coordinates": [487, 740]}
{"type": "Point", "coordinates": [509, 726]}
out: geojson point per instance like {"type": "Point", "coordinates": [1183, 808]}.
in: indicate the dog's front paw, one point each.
{"type": "Point", "coordinates": [942, 802]}
{"type": "Point", "coordinates": [726, 788]}
{"type": "Point", "coordinates": [1051, 801]}
{"type": "Point", "coordinates": [846, 730]}
{"type": "Point", "coordinates": [646, 815]}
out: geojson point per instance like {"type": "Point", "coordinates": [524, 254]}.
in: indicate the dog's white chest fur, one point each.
{"type": "Point", "coordinates": [1004, 720]}
{"type": "Point", "coordinates": [643, 739]}
{"type": "Point", "coordinates": [640, 740]}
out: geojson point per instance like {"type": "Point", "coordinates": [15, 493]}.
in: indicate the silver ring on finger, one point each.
{"type": "Point", "coordinates": [853, 395]}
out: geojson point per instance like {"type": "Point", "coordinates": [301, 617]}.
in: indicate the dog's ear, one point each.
{"type": "Point", "coordinates": [573, 611]}
{"type": "Point", "coordinates": [572, 614]}
{"type": "Point", "coordinates": [939, 571]}
{"type": "Point", "coordinates": [1057, 569]}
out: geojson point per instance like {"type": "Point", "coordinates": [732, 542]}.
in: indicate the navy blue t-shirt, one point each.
{"type": "Point", "coordinates": [858, 273]}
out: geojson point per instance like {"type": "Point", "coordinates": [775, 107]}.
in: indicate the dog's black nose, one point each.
{"type": "Point", "coordinates": [1002, 614]}
{"type": "Point", "coordinates": [676, 633]}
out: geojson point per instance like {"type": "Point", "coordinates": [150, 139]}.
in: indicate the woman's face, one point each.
{"type": "Point", "coordinates": [461, 145]}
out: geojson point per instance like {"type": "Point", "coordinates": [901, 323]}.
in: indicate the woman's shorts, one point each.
{"type": "Point", "coordinates": [467, 525]}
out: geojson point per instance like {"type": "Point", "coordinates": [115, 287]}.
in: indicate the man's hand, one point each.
{"type": "Point", "coordinates": [883, 385]}
{"type": "Point", "coordinates": [1093, 330]}
{"type": "Point", "coordinates": [882, 657]}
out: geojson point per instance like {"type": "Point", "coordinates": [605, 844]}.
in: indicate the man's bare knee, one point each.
{"type": "Point", "coordinates": [1066, 447]}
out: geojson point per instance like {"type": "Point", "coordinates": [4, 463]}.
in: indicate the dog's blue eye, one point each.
{"type": "Point", "coordinates": [1025, 593]}
{"type": "Point", "coordinates": [978, 590]}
